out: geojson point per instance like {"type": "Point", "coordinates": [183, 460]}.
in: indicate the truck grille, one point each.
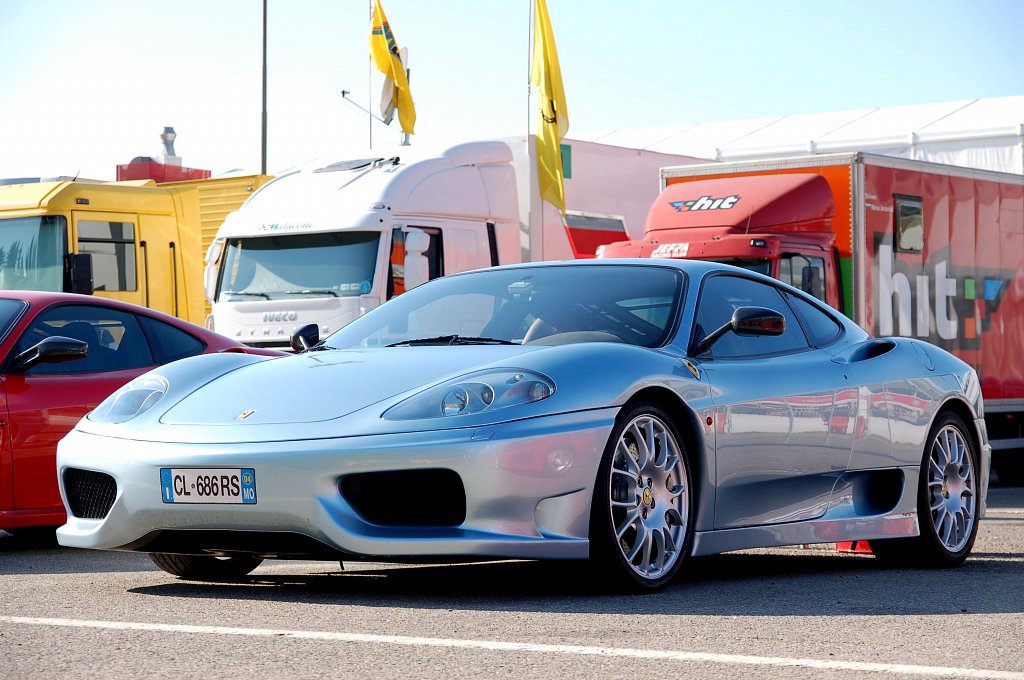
{"type": "Point", "coordinates": [90, 494]}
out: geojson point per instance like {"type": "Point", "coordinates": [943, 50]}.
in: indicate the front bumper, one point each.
{"type": "Point", "coordinates": [528, 488]}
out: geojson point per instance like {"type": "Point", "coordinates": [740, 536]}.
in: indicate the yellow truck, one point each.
{"type": "Point", "coordinates": [217, 198]}
{"type": "Point", "coordinates": [134, 241]}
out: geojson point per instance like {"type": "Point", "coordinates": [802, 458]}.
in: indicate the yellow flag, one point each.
{"type": "Point", "coordinates": [554, 116]}
{"type": "Point", "coordinates": [384, 54]}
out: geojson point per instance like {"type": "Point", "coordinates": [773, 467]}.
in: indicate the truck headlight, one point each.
{"type": "Point", "coordinates": [488, 390]}
{"type": "Point", "coordinates": [132, 400]}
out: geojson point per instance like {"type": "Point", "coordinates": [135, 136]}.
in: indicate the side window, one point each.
{"type": "Point", "coordinates": [396, 268]}
{"type": "Point", "coordinates": [804, 273]}
{"type": "Point", "coordinates": [819, 325]}
{"type": "Point", "coordinates": [112, 246]}
{"type": "Point", "coordinates": [434, 253]}
{"type": "Point", "coordinates": [722, 295]}
{"type": "Point", "coordinates": [909, 218]}
{"type": "Point", "coordinates": [169, 343]}
{"type": "Point", "coordinates": [114, 337]}
{"type": "Point", "coordinates": [396, 271]}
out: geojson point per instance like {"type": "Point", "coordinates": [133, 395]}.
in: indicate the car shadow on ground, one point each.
{"type": "Point", "coordinates": [740, 584]}
{"type": "Point", "coordinates": [37, 552]}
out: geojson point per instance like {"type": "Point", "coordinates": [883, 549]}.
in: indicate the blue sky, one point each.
{"type": "Point", "coordinates": [87, 84]}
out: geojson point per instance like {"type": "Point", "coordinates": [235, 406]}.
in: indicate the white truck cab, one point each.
{"type": "Point", "coordinates": [326, 245]}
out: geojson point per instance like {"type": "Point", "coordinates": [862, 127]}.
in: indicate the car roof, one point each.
{"type": "Point", "coordinates": [41, 298]}
{"type": "Point", "coordinates": [695, 268]}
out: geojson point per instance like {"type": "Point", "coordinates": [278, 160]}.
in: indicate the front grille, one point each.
{"type": "Point", "coordinates": [90, 494]}
{"type": "Point", "coordinates": [434, 498]}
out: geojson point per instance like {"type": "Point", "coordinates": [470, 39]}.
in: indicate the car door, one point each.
{"type": "Point", "coordinates": [46, 401]}
{"type": "Point", "coordinates": [777, 458]}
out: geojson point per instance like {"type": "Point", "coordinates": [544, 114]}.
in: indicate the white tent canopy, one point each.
{"type": "Point", "coordinates": [973, 133]}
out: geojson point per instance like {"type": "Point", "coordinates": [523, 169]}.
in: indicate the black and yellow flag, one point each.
{"type": "Point", "coordinates": [554, 117]}
{"type": "Point", "coordinates": [384, 53]}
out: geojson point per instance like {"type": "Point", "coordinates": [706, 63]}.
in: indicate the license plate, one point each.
{"type": "Point", "coordinates": [208, 485]}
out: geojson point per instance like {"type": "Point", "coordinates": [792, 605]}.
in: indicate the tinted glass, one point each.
{"type": "Point", "coordinates": [114, 337]}
{"type": "Point", "coordinates": [169, 343]}
{"type": "Point", "coordinates": [542, 305]}
{"type": "Point", "coordinates": [753, 264]}
{"type": "Point", "coordinates": [10, 312]}
{"type": "Point", "coordinates": [821, 328]}
{"type": "Point", "coordinates": [722, 295]}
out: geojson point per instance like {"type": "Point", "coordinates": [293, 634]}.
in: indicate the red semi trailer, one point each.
{"type": "Point", "coordinates": [902, 247]}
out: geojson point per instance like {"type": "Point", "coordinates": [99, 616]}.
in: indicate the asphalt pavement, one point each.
{"type": "Point", "coordinates": [793, 613]}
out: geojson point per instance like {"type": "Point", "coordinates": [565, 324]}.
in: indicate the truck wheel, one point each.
{"type": "Point", "coordinates": [947, 501]}
{"type": "Point", "coordinates": [641, 518]}
{"type": "Point", "coordinates": [205, 567]}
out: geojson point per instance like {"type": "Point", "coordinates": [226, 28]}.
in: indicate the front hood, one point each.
{"type": "Point", "coordinates": [318, 386]}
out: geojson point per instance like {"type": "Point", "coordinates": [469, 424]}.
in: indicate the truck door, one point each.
{"type": "Point", "coordinates": [112, 240]}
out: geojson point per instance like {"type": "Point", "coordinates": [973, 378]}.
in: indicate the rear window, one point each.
{"type": "Point", "coordinates": [10, 312]}
{"type": "Point", "coordinates": [170, 343]}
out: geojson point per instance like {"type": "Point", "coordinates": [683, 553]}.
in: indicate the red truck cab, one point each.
{"type": "Point", "coordinates": [779, 225]}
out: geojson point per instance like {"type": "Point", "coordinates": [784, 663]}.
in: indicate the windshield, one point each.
{"type": "Point", "coordinates": [540, 305]}
{"type": "Point", "coordinates": [754, 264]}
{"type": "Point", "coordinates": [334, 264]}
{"type": "Point", "coordinates": [32, 253]}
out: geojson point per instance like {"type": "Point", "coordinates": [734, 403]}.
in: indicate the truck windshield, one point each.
{"type": "Point", "coordinates": [335, 264]}
{"type": "Point", "coordinates": [32, 253]}
{"type": "Point", "coordinates": [752, 263]}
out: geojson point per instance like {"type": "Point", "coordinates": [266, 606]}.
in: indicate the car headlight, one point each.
{"type": "Point", "coordinates": [133, 399]}
{"type": "Point", "coordinates": [479, 392]}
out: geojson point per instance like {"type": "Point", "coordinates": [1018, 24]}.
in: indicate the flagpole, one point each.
{"type": "Point", "coordinates": [529, 93]}
{"type": "Point", "coordinates": [369, 82]}
{"type": "Point", "coordinates": [263, 128]}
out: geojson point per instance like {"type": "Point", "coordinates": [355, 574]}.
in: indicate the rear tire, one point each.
{"type": "Point", "coordinates": [641, 523]}
{"type": "Point", "coordinates": [205, 567]}
{"type": "Point", "coordinates": [947, 502]}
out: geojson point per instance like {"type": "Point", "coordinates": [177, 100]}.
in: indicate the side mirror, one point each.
{"type": "Point", "coordinates": [304, 337]}
{"type": "Point", "coordinates": [417, 269]}
{"type": "Point", "coordinates": [212, 260]}
{"type": "Point", "coordinates": [747, 321]}
{"type": "Point", "coordinates": [78, 273]}
{"type": "Point", "coordinates": [52, 350]}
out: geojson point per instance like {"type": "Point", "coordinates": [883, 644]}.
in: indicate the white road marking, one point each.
{"type": "Point", "coordinates": [494, 645]}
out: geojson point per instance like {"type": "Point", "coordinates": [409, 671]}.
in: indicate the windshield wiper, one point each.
{"type": "Point", "coordinates": [243, 292]}
{"type": "Point", "coordinates": [311, 292]}
{"type": "Point", "coordinates": [453, 340]}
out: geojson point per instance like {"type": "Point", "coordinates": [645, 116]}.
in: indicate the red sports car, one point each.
{"type": "Point", "coordinates": [60, 355]}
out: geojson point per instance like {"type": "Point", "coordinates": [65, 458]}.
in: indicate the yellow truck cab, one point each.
{"type": "Point", "coordinates": [132, 241]}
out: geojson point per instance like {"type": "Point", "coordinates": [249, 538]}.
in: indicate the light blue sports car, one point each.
{"type": "Point", "coordinates": [632, 413]}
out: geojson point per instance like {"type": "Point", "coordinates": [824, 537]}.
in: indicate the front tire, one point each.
{"type": "Point", "coordinates": [205, 567]}
{"type": "Point", "coordinates": [641, 523]}
{"type": "Point", "coordinates": [947, 501]}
